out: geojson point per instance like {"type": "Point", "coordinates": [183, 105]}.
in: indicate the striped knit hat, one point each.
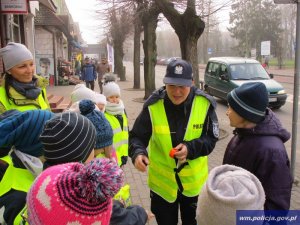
{"type": "Point", "coordinates": [22, 130]}
{"type": "Point", "coordinates": [68, 137]}
{"type": "Point", "coordinates": [74, 193]}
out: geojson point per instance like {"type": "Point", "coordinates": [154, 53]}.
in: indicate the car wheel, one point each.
{"type": "Point", "coordinates": [206, 89]}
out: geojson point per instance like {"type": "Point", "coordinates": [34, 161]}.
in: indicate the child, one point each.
{"type": "Point", "coordinates": [104, 133]}
{"type": "Point", "coordinates": [115, 114]}
{"type": "Point", "coordinates": [19, 135]}
{"type": "Point", "coordinates": [103, 148]}
{"type": "Point", "coordinates": [74, 193]}
{"type": "Point", "coordinates": [68, 137]}
{"type": "Point", "coordinates": [79, 93]}
{"type": "Point", "coordinates": [227, 189]}
{"type": "Point", "coordinates": [100, 101]}
{"type": "Point", "coordinates": [258, 143]}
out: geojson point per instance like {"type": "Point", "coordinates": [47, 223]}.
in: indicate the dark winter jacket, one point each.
{"type": "Point", "coordinates": [178, 116]}
{"type": "Point", "coordinates": [88, 72]}
{"type": "Point", "coordinates": [131, 215]}
{"type": "Point", "coordinates": [261, 151]}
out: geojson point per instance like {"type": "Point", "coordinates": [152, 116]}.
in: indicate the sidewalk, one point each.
{"type": "Point", "coordinates": [137, 180]}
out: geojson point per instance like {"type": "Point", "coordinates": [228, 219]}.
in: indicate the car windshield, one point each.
{"type": "Point", "coordinates": [248, 71]}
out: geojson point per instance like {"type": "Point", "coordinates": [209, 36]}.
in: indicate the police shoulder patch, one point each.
{"type": "Point", "coordinates": [216, 130]}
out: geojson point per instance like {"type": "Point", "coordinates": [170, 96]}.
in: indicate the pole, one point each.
{"type": "Point", "coordinates": [296, 93]}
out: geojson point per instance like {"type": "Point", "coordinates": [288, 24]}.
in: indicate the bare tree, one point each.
{"type": "Point", "coordinates": [121, 23]}
{"type": "Point", "coordinates": [188, 27]}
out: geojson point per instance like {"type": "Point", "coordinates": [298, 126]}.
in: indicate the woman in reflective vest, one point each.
{"type": "Point", "coordinates": [21, 88]}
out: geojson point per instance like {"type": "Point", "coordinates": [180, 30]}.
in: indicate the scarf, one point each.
{"type": "Point", "coordinates": [114, 108]}
{"type": "Point", "coordinates": [29, 90]}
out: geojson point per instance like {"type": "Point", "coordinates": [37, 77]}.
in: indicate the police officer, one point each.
{"type": "Point", "coordinates": [182, 118]}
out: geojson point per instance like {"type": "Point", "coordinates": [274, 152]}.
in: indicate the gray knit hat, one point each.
{"type": "Point", "coordinates": [103, 129]}
{"type": "Point", "coordinates": [14, 54]}
{"type": "Point", "coordinates": [68, 137]}
{"type": "Point", "coordinates": [227, 189]}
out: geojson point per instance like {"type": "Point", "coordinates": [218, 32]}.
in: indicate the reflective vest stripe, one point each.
{"type": "Point", "coordinates": [120, 139]}
{"type": "Point", "coordinates": [161, 177]}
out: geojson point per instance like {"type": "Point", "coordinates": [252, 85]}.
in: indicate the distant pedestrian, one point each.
{"type": "Point", "coordinates": [228, 189]}
{"type": "Point", "coordinates": [102, 68]}
{"type": "Point", "coordinates": [267, 59]}
{"type": "Point", "coordinates": [89, 73]}
{"type": "Point", "coordinates": [258, 143]}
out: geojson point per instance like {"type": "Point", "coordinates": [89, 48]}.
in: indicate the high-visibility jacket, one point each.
{"type": "Point", "coordinates": [17, 179]}
{"type": "Point", "coordinates": [120, 139]}
{"type": "Point", "coordinates": [161, 171]}
{"type": "Point", "coordinates": [21, 103]}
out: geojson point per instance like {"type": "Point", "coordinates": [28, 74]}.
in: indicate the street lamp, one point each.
{"type": "Point", "coordinates": [296, 84]}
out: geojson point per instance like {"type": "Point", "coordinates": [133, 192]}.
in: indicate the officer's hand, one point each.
{"type": "Point", "coordinates": [181, 153]}
{"type": "Point", "coordinates": [150, 215]}
{"type": "Point", "coordinates": [141, 162]}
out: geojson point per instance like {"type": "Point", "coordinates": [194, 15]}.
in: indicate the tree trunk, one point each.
{"type": "Point", "coordinates": [137, 53]}
{"type": "Point", "coordinates": [188, 27]}
{"type": "Point", "coordinates": [149, 46]}
{"type": "Point", "coordinates": [188, 46]}
{"type": "Point", "coordinates": [118, 58]}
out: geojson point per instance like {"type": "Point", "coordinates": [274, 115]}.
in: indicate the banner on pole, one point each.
{"type": "Point", "coordinates": [110, 57]}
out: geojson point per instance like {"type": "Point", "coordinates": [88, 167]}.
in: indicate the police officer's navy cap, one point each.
{"type": "Point", "coordinates": [179, 72]}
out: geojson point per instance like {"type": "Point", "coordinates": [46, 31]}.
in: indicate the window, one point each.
{"type": "Point", "coordinates": [213, 68]}
{"type": "Point", "coordinates": [223, 69]}
{"type": "Point", "coordinates": [14, 26]}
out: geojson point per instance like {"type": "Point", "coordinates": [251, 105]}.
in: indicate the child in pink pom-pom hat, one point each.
{"type": "Point", "coordinates": [74, 193]}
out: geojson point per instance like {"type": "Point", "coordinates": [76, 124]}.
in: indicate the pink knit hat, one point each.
{"type": "Point", "coordinates": [74, 193]}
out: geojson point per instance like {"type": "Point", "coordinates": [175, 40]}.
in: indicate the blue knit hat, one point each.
{"type": "Point", "coordinates": [250, 101]}
{"type": "Point", "coordinates": [23, 129]}
{"type": "Point", "coordinates": [104, 131]}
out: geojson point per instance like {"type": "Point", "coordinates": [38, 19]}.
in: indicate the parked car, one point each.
{"type": "Point", "coordinates": [222, 74]}
{"type": "Point", "coordinates": [167, 61]}
{"type": "Point", "coordinates": [160, 61]}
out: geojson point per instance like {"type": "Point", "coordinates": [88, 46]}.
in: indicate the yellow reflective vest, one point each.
{"type": "Point", "coordinates": [161, 174]}
{"type": "Point", "coordinates": [17, 179]}
{"type": "Point", "coordinates": [20, 102]}
{"type": "Point", "coordinates": [120, 139]}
